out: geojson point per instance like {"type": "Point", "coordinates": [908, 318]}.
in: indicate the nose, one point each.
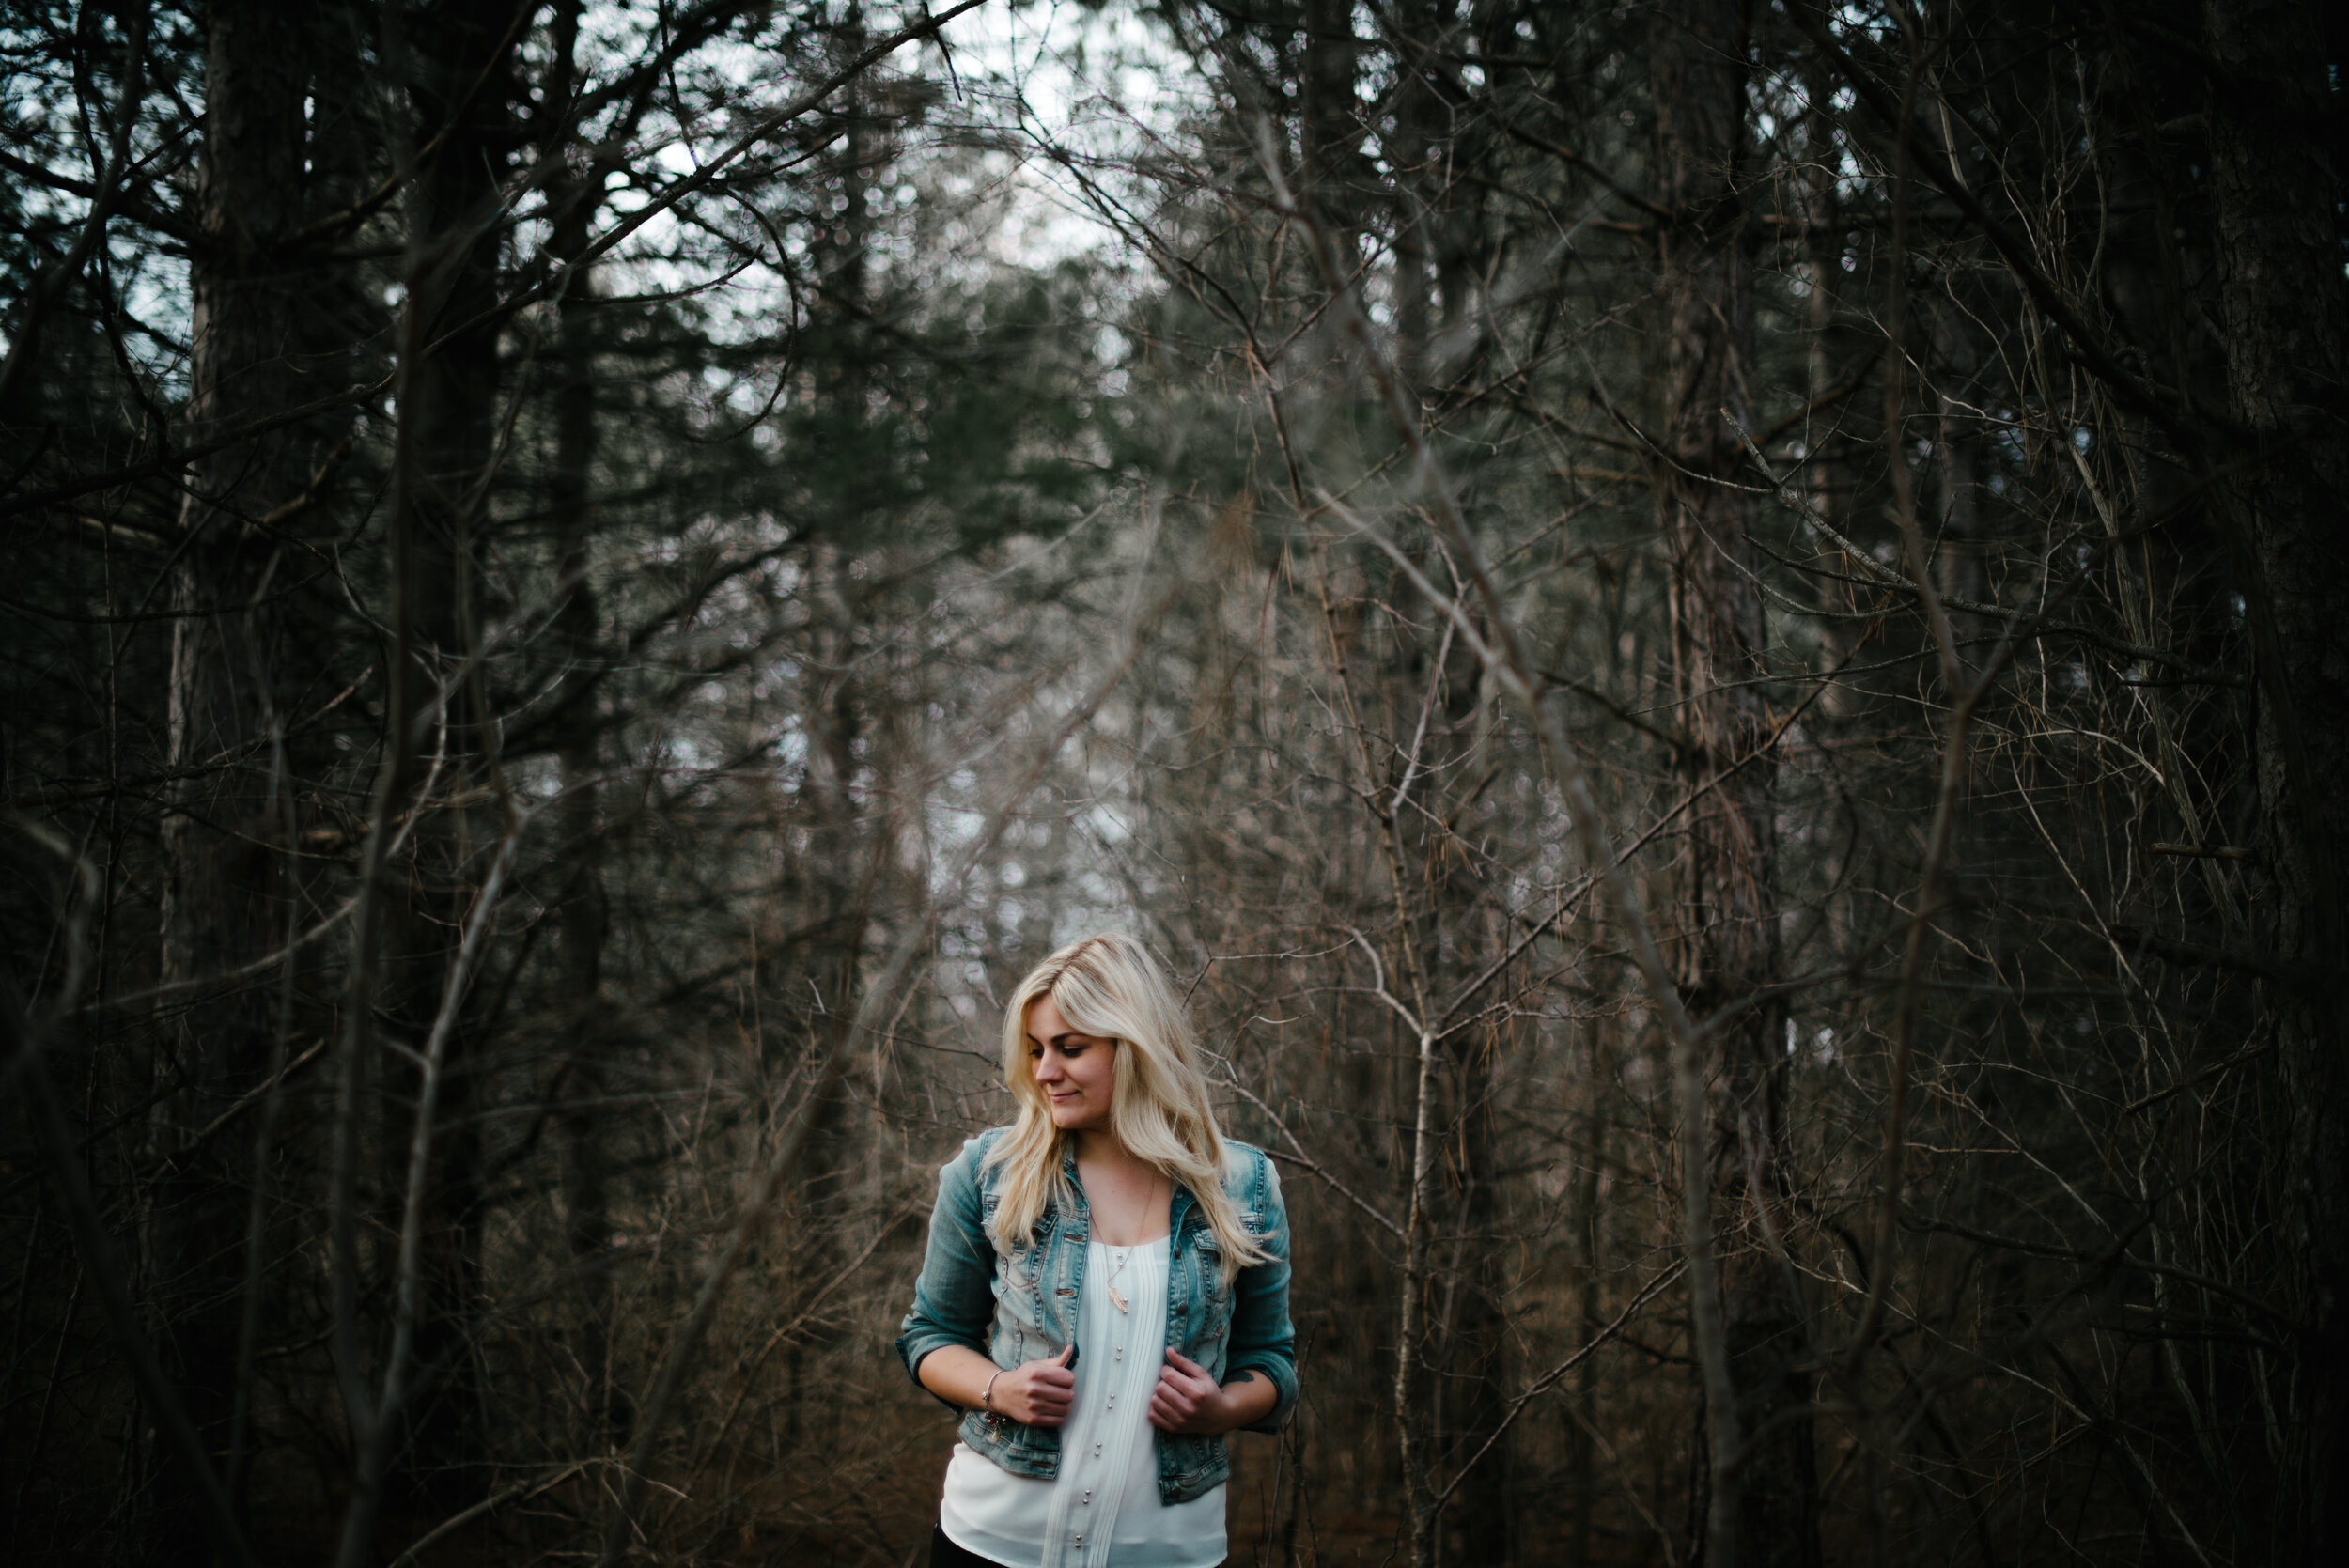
{"type": "Point", "coordinates": [1048, 1067]}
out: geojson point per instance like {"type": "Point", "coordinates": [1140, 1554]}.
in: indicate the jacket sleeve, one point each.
{"type": "Point", "coordinates": [1263, 1339]}
{"type": "Point", "coordinates": [954, 1299]}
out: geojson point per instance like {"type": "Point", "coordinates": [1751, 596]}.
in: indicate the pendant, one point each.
{"type": "Point", "coordinates": [1116, 1299]}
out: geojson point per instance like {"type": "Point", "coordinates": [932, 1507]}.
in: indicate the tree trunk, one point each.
{"type": "Point", "coordinates": [584, 911]}
{"type": "Point", "coordinates": [840, 854]}
{"type": "Point", "coordinates": [448, 403]}
{"type": "Point", "coordinates": [2285, 312]}
{"type": "Point", "coordinates": [1480, 1336]}
{"type": "Point", "coordinates": [1761, 1510]}
{"type": "Point", "coordinates": [230, 880]}
{"type": "Point", "coordinates": [1826, 481]}
{"type": "Point", "coordinates": [1959, 569]}
{"type": "Point", "coordinates": [1587, 1222]}
{"type": "Point", "coordinates": [1417, 185]}
{"type": "Point", "coordinates": [1332, 133]}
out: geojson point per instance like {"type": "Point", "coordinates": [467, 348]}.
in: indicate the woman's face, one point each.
{"type": "Point", "coordinates": [1077, 1072]}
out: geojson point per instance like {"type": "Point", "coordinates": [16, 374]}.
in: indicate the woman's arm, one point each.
{"type": "Point", "coordinates": [1034, 1393]}
{"type": "Point", "coordinates": [953, 1305]}
{"type": "Point", "coordinates": [953, 1300]}
{"type": "Point", "coordinates": [1188, 1399]}
{"type": "Point", "coordinates": [1263, 1340]}
{"type": "Point", "coordinates": [1260, 1358]}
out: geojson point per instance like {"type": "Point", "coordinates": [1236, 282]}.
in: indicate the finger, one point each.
{"type": "Point", "coordinates": [1193, 1386]}
{"type": "Point", "coordinates": [1053, 1377]}
{"type": "Point", "coordinates": [1185, 1362]}
{"type": "Point", "coordinates": [1066, 1351]}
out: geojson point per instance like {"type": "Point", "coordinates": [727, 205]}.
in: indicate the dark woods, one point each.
{"type": "Point", "coordinates": [1711, 635]}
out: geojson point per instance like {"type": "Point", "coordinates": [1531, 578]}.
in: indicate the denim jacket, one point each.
{"type": "Point", "coordinates": [1020, 1306]}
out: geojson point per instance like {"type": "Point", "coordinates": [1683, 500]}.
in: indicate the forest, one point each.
{"type": "Point", "coordinates": [1703, 633]}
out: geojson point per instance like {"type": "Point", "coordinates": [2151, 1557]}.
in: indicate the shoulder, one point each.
{"type": "Point", "coordinates": [1247, 1174]}
{"type": "Point", "coordinates": [970, 1163]}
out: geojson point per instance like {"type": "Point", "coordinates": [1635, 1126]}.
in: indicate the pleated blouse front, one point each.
{"type": "Point", "coordinates": [1102, 1510]}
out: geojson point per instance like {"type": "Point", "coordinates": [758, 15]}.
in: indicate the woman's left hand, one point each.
{"type": "Point", "coordinates": [1188, 1399]}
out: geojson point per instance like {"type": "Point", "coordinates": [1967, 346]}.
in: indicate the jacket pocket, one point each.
{"type": "Point", "coordinates": [1190, 1466]}
{"type": "Point", "coordinates": [1210, 1317]}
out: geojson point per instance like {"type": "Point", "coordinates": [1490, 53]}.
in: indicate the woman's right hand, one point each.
{"type": "Point", "coordinates": [1036, 1393]}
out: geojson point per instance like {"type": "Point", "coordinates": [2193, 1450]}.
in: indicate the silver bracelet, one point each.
{"type": "Point", "coordinates": [987, 1395]}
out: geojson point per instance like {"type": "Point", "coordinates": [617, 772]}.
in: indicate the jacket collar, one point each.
{"type": "Point", "coordinates": [1184, 1204]}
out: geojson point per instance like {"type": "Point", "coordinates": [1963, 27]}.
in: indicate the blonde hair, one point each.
{"type": "Point", "coordinates": [1110, 986]}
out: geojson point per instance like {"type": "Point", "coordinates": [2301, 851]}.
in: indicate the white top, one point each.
{"type": "Point", "coordinates": [1105, 1500]}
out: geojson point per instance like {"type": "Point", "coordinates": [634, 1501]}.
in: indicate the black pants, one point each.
{"type": "Point", "coordinates": [945, 1554]}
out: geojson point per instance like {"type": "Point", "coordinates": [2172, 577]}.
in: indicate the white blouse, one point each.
{"type": "Point", "coordinates": [1103, 1506]}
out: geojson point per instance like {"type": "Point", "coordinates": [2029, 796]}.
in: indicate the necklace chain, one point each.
{"type": "Point", "coordinates": [1118, 1256]}
{"type": "Point", "coordinates": [1118, 1259]}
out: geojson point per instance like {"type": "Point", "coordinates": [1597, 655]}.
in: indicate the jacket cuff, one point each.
{"type": "Point", "coordinates": [1281, 1372]}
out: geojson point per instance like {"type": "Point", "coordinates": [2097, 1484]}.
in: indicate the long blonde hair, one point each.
{"type": "Point", "coordinates": [1110, 986]}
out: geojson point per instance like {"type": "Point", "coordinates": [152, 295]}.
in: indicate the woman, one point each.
{"type": "Point", "coordinates": [1106, 1290]}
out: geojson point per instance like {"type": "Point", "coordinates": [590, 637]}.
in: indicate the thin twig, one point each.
{"type": "Point", "coordinates": [55, 277]}
{"type": "Point", "coordinates": [491, 1504]}
{"type": "Point", "coordinates": [881, 995]}
{"type": "Point", "coordinates": [1506, 661]}
{"type": "Point", "coordinates": [1543, 1384]}
{"type": "Point", "coordinates": [1300, 1157]}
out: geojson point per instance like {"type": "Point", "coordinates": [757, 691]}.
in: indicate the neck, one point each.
{"type": "Point", "coordinates": [1102, 1147]}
